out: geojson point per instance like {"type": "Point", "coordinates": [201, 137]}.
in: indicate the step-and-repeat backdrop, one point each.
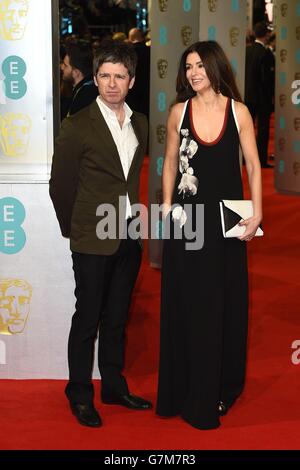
{"type": "Point", "coordinates": [36, 282]}
{"type": "Point", "coordinates": [287, 104]}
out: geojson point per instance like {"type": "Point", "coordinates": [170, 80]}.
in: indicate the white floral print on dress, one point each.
{"type": "Point", "coordinates": [189, 183]}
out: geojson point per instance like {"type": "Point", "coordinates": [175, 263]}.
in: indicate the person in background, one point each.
{"type": "Point", "coordinates": [77, 69]}
{"type": "Point", "coordinates": [139, 96]}
{"type": "Point", "coordinates": [259, 98]}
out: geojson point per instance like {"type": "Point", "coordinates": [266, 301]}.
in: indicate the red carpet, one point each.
{"type": "Point", "coordinates": [35, 414]}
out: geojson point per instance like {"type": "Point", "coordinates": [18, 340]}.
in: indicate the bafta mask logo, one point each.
{"type": "Point", "coordinates": [234, 36]}
{"type": "Point", "coordinates": [186, 35]}
{"type": "Point", "coordinates": [162, 68]}
{"type": "Point", "coordinates": [163, 5]}
{"type": "Point", "coordinates": [281, 144]}
{"type": "Point", "coordinates": [161, 132]}
{"type": "Point", "coordinates": [15, 297]}
{"type": "Point", "coordinates": [284, 9]}
{"type": "Point", "coordinates": [296, 168]}
{"type": "Point", "coordinates": [212, 5]}
{"type": "Point", "coordinates": [13, 19]}
{"type": "Point", "coordinates": [282, 100]}
{"type": "Point", "coordinates": [298, 33]}
{"type": "Point", "coordinates": [297, 123]}
{"type": "Point", "coordinates": [283, 55]}
{"type": "Point", "coordinates": [14, 134]}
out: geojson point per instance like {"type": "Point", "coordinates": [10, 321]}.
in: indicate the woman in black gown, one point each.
{"type": "Point", "coordinates": [204, 299]}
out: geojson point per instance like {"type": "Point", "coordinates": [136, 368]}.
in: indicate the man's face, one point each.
{"type": "Point", "coordinates": [113, 83]}
{"type": "Point", "coordinates": [13, 19]}
{"type": "Point", "coordinates": [67, 70]}
{"type": "Point", "coordinates": [14, 308]}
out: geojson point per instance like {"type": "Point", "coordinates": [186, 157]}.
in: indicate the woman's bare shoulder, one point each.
{"type": "Point", "coordinates": [176, 113]}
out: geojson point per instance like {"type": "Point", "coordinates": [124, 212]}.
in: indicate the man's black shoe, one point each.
{"type": "Point", "coordinates": [86, 415]}
{"type": "Point", "coordinates": [130, 401]}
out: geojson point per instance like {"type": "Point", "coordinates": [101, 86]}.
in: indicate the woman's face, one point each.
{"type": "Point", "coordinates": [196, 74]}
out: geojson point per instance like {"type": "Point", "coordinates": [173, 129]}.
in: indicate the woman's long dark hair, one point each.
{"type": "Point", "coordinates": [218, 71]}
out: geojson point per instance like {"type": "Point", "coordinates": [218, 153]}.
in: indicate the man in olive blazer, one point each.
{"type": "Point", "coordinates": [98, 158]}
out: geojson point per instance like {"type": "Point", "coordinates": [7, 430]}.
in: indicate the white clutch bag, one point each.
{"type": "Point", "coordinates": [232, 212]}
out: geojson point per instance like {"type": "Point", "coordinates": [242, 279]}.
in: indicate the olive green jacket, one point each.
{"type": "Point", "coordinates": [86, 172]}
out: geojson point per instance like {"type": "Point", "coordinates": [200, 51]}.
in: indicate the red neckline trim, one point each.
{"type": "Point", "coordinates": [222, 130]}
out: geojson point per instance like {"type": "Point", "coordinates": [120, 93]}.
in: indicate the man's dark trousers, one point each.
{"type": "Point", "coordinates": [104, 285]}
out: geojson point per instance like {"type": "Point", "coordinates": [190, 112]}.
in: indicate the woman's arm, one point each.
{"type": "Point", "coordinates": [170, 167]}
{"type": "Point", "coordinates": [249, 148]}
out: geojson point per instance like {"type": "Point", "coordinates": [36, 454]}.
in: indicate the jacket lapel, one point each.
{"type": "Point", "coordinates": [104, 135]}
{"type": "Point", "coordinates": [138, 134]}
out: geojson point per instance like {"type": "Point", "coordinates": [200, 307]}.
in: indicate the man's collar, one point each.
{"type": "Point", "coordinates": [110, 112]}
{"type": "Point", "coordinates": [86, 79]}
{"type": "Point", "coordinates": [260, 42]}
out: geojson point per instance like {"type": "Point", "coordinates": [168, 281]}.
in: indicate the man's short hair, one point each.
{"type": "Point", "coordinates": [117, 53]}
{"type": "Point", "coordinates": [261, 30]}
{"type": "Point", "coordinates": [81, 57]}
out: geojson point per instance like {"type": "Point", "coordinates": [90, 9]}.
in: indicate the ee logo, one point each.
{"type": "Point", "coordinates": [159, 165]}
{"type": "Point", "coordinates": [14, 69]}
{"type": "Point", "coordinates": [12, 216]}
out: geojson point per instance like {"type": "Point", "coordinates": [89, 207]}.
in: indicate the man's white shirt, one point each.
{"type": "Point", "coordinates": [124, 138]}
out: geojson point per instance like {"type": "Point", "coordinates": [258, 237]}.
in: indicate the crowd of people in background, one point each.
{"type": "Point", "coordinates": [78, 48]}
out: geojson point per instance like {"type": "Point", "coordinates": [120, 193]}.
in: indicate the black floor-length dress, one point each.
{"type": "Point", "coordinates": [204, 298]}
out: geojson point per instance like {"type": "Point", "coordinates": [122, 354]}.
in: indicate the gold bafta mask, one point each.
{"type": "Point", "coordinates": [13, 19]}
{"type": "Point", "coordinates": [234, 36]}
{"type": "Point", "coordinates": [15, 297]}
{"type": "Point", "coordinates": [162, 68]}
{"type": "Point", "coordinates": [296, 168]}
{"type": "Point", "coordinates": [161, 132]}
{"type": "Point", "coordinates": [284, 9]}
{"type": "Point", "coordinates": [281, 144]}
{"type": "Point", "coordinates": [163, 5]}
{"type": "Point", "coordinates": [298, 33]}
{"type": "Point", "coordinates": [283, 55]}
{"type": "Point", "coordinates": [297, 123]}
{"type": "Point", "coordinates": [186, 35]}
{"type": "Point", "coordinates": [14, 134]}
{"type": "Point", "coordinates": [282, 100]}
{"type": "Point", "coordinates": [212, 5]}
